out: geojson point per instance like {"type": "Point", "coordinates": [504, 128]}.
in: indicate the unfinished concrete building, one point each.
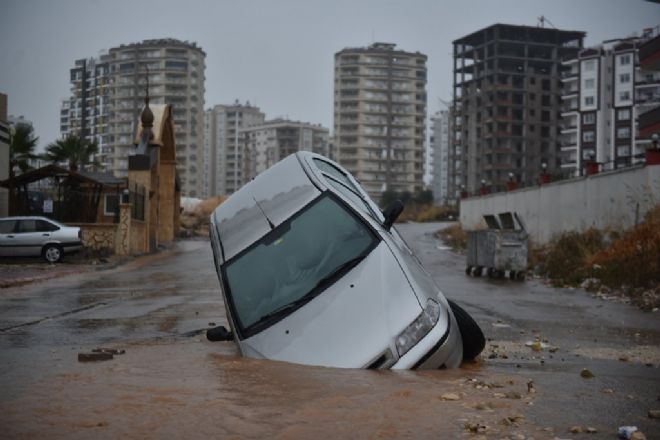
{"type": "Point", "coordinates": [506, 94]}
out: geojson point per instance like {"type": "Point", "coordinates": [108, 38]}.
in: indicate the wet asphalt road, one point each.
{"type": "Point", "coordinates": [172, 383]}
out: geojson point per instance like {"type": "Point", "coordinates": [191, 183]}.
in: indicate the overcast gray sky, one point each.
{"type": "Point", "coordinates": [277, 54]}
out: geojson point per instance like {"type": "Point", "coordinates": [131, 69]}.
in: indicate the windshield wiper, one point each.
{"type": "Point", "coordinates": [286, 308]}
{"type": "Point", "coordinates": [283, 310]}
{"type": "Point", "coordinates": [339, 270]}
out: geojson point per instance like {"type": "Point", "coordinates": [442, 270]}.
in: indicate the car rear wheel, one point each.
{"type": "Point", "coordinates": [473, 338]}
{"type": "Point", "coordinates": [52, 253]}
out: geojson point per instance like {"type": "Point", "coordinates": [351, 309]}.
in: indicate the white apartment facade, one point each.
{"type": "Point", "coordinates": [108, 96]}
{"type": "Point", "coordinates": [380, 106]}
{"type": "Point", "coordinates": [440, 141]}
{"type": "Point", "coordinates": [605, 91]}
{"type": "Point", "coordinates": [272, 141]}
{"type": "Point", "coordinates": [224, 148]}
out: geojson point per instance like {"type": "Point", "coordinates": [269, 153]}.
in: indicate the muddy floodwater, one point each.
{"type": "Point", "coordinates": [189, 389]}
{"type": "Point", "coordinates": [167, 381]}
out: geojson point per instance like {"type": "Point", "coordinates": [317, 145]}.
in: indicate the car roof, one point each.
{"type": "Point", "coordinates": [263, 204]}
{"type": "Point", "coordinates": [33, 217]}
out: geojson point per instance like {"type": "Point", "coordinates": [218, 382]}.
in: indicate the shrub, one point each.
{"type": "Point", "coordinates": [633, 259]}
{"type": "Point", "coordinates": [567, 256]}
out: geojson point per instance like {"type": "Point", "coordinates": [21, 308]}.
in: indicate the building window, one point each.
{"type": "Point", "coordinates": [624, 59]}
{"type": "Point", "coordinates": [623, 133]}
{"type": "Point", "coordinates": [624, 78]}
{"type": "Point", "coordinates": [589, 83]}
{"type": "Point", "coordinates": [623, 150]}
{"type": "Point", "coordinates": [588, 100]}
{"type": "Point", "coordinates": [623, 114]}
{"type": "Point", "coordinates": [589, 65]}
{"type": "Point", "coordinates": [624, 96]}
{"type": "Point", "coordinates": [588, 136]}
{"type": "Point", "coordinates": [111, 204]}
{"type": "Point", "coordinates": [589, 118]}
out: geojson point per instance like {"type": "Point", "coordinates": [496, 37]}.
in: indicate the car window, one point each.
{"type": "Point", "coordinates": [7, 226]}
{"type": "Point", "coordinates": [340, 181]}
{"type": "Point", "coordinates": [44, 226]}
{"type": "Point", "coordinates": [28, 225]}
{"type": "Point", "coordinates": [294, 261]}
{"type": "Point", "coordinates": [335, 172]}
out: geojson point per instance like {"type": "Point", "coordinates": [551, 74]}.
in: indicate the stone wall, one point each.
{"type": "Point", "coordinates": [99, 236]}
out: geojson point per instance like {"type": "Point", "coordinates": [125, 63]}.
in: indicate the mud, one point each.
{"type": "Point", "coordinates": [197, 389]}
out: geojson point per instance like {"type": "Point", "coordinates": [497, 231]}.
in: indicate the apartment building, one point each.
{"type": "Point", "coordinates": [605, 91]}
{"type": "Point", "coordinates": [506, 97]}
{"type": "Point", "coordinates": [224, 148]}
{"type": "Point", "coordinates": [268, 143]}
{"type": "Point", "coordinates": [440, 141]}
{"type": "Point", "coordinates": [380, 116]}
{"type": "Point", "coordinates": [108, 95]}
{"type": "Point", "coordinates": [85, 112]}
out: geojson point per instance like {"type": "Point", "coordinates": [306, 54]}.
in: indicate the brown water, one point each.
{"type": "Point", "coordinates": [197, 389]}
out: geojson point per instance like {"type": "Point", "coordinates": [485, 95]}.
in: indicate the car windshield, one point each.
{"type": "Point", "coordinates": [295, 263]}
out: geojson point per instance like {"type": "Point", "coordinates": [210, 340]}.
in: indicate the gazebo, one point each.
{"type": "Point", "coordinates": [65, 195]}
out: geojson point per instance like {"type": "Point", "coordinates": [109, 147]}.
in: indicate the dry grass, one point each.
{"type": "Point", "coordinates": [454, 237]}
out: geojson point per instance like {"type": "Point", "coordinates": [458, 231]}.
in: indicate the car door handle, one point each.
{"type": "Point", "coordinates": [45, 235]}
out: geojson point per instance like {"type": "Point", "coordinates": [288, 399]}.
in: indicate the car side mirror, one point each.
{"type": "Point", "coordinates": [219, 333]}
{"type": "Point", "coordinates": [391, 213]}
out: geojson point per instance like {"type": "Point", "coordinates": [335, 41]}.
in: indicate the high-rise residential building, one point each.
{"type": "Point", "coordinates": [85, 112]}
{"type": "Point", "coordinates": [649, 63]}
{"type": "Point", "coordinates": [272, 141]}
{"type": "Point", "coordinates": [605, 91]}
{"type": "Point", "coordinates": [380, 116]}
{"type": "Point", "coordinates": [224, 149]}
{"type": "Point", "coordinates": [506, 96]}
{"type": "Point", "coordinates": [440, 123]}
{"type": "Point", "coordinates": [108, 95]}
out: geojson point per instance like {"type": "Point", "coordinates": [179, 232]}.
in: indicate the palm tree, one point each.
{"type": "Point", "coordinates": [78, 152]}
{"type": "Point", "coordinates": [21, 147]}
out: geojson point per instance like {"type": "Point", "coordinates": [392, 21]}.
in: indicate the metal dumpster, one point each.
{"type": "Point", "coordinates": [500, 250]}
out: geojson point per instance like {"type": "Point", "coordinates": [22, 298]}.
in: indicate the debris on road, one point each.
{"type": "Point", "coordinates": [586, 373]}
{"type": "Point", "coordinates": [100, 354]}
{"type": "Point", "coordinates": [94, 357]}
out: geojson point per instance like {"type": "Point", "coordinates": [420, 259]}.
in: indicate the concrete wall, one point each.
{"type": "Point", "coordinates": [615, 199]}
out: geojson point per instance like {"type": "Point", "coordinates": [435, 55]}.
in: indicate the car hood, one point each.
{"type": "Point", "coordinates": [350, 324]}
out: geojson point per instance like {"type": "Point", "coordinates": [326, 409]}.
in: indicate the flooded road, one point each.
{"type": "Point", "coordinates": [173, 383]}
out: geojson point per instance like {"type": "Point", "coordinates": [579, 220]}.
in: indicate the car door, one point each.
{"type": "Point", "coordinates": [8, 237]}
{"type": "Point", "coordinates": [31, 236]}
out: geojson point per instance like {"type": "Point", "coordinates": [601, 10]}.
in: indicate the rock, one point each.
{"type": "Point", "coordinates": [591, 430]}
{"type": "Point", "coordinates": [450, 396]}
{"type": "Point", "coordinates": [624, 358]}
{"type": "Point", "coordinates": [654, 413]}
{"type": "Point", "coordinates": [94, 357]}
{"type": "Point", "coordinates": [637, 435]}
{"type": "Point", "coordinates": [576, 430]}
{"type": "Point", "coordinates": [512, 395]}
{"type": "Point", "coordinates": [587, 374]}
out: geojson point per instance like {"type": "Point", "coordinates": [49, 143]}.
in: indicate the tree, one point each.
{"type": "Point", "coordinates": [21, 147]}
{"type": "Point", "coordinates": [78, 152]}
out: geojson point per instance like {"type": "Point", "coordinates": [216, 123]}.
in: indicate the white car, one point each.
{"type": "Point", "coordinates": [312, 272]}
{"type": "Point", "coordinates": [35, 236]}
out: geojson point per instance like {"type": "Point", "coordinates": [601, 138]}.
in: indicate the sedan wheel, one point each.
{"type": "Point", "coordinates": [52, 253]}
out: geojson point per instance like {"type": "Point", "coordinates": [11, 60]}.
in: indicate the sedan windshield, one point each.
{"type": "Point", "coordinates": [295, 263]}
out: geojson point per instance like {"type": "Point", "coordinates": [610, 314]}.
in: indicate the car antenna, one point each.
{"type": "Point", "coordinates": [272, 226]}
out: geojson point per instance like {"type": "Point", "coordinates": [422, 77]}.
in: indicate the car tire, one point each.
{"type": "Point", "coordinates": [473, 338]}
{"type": "Point", "coordinates": [52, 253]}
